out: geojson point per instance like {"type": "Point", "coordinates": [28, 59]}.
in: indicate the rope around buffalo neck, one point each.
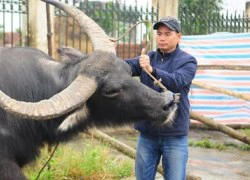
{"type": "Point", "coordinates": [143, 52]}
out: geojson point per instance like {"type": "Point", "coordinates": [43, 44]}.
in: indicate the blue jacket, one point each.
{"type": "Point", "coordinates": [177, 70]}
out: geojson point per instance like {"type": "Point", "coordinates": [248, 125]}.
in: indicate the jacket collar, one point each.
{"type": "Point", "coordinates": [168, 54]}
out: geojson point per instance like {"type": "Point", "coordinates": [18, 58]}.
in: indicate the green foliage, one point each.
{"type": "Point", "coordinates": [208, 5]}
{"type": "Point", "coordinates": [94, 162]}
{"type": "Point", "coordinates": [122, 171]}
{"type": "Point", "coordinates": [196, 16]}
{"type": "Point", "coordinates": [245, 147]}
{"type": "Point", "coordinates": [245, 131]}
{"type": "Point", "coordinates": [104, 16]}
{"type": "Point", "coordinates": [18, 30]}
{"type": "Point", "coordinates": [206, 143]}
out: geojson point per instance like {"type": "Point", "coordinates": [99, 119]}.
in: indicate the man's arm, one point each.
{"type": "Point", "coordinates": [179, 78]}
{"type": "Point", "coordinates": [135, 66]}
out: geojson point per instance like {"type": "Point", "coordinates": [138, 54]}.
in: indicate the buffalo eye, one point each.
{"type": "Point", "coordinates": [111, 93]}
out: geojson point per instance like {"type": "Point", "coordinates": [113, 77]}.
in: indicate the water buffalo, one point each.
{"type": "Point", "coordinates": [38, 96]}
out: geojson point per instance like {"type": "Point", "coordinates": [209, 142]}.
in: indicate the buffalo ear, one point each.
{"type": "Point", "coordinates": [69, 55]}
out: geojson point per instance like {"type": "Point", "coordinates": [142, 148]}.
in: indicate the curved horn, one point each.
{"type": "Point", "coordinates": [97, 35]}
{"type": "Point", "coordinates": [59, 104]}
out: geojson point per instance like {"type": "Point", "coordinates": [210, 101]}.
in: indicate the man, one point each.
{"type": "Point", "coordinates": [176, 69]}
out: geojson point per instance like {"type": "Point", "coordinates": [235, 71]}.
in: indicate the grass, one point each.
{"type": "Point", "coordinates": [94, 162]}
{"type": "Point", "coordinates": [245, 131]}
{"type": "Point", "coordinates": [209, 144]}
{"type": "Point", "coordinates": [206, 143]}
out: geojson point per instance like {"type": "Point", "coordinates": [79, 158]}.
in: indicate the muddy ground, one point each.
{"type": "Point", "coordinates": [212, 164]}
{"type": "Point", "coordinates": [209, 164]}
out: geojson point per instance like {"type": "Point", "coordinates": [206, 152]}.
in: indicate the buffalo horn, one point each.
{"type": "Point", "coordinates": [78, 91]}
{"type": "Point", "coordinates": [59, 104]}
{"type": "Point", "coordinates": [97, 35]}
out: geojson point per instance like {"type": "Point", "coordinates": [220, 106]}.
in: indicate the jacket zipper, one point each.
{"type": "Point", "coordinates": [161, 56]}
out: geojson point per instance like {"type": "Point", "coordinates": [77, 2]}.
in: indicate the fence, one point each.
{"type": "Point", "coordinates": [199, 20]}
{"type": "Point", "coordinates": [114, 18]}
{"type": "Point", "coordinates": [14, 29]}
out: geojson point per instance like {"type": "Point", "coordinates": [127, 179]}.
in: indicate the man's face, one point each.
{"type": "Point", "coordinates": [167, 39]}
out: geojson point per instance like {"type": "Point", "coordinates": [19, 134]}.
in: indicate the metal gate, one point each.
{"type": "Point", "coordinates": [14, 29]}
{"type": "Point", "coordinates": [114, 17]}
{"type": "Point", "coordinates": [206, 20]}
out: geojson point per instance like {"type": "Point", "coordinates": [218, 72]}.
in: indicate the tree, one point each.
{"type": "Point", "coordinates": [195, 15]}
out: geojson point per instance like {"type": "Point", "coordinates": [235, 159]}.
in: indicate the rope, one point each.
{"type": "Point", "coordinates": [52, 154]}
{"type": "Point", "coordinates": [140, 22]}
{"type": "Point", "coordinates": [143, 52]}
{"type": "Point", "coordinates": [156, 82]}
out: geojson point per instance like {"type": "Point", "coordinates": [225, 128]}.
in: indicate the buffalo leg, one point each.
{"type": "Point", "coordinates": [9, 170]}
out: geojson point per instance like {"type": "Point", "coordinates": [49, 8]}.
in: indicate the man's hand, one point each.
{"type": "Point", "coordinates": [145, 62]}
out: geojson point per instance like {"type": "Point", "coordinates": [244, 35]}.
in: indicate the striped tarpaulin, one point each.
{"type": "Point", "coordinates": [221, 49]}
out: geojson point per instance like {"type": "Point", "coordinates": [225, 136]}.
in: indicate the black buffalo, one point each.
{"type": "Point", "coordinates": [38, 97]}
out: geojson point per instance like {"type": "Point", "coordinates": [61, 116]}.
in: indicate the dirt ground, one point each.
{"type": "Point", "coordinates": [209, 164]}
{"type": "Point", "coordinates": [212, 164]}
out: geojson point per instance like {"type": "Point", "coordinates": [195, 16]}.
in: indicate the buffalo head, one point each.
{"type": "Point", "coordinates": [101, 92]}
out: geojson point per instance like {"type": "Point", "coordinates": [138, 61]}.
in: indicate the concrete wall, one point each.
{"type": "Point", "coordinates": [167, 7]}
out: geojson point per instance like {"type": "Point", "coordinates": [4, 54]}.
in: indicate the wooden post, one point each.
{"type": "Point", "coordinates": [224, 67]}
{"type": "Point", "coordinates": [220, 127]}
{"type": "Point", "coordinates": [38, 22]}
{"type": "Point", "coordinates": [49, 31]}
{"type": "Point", "coordinates": [167, 8]}
{"type": "Point", "coordinates": [221, 90]}
{"type": "Point", "coordinates": [248, 9]}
